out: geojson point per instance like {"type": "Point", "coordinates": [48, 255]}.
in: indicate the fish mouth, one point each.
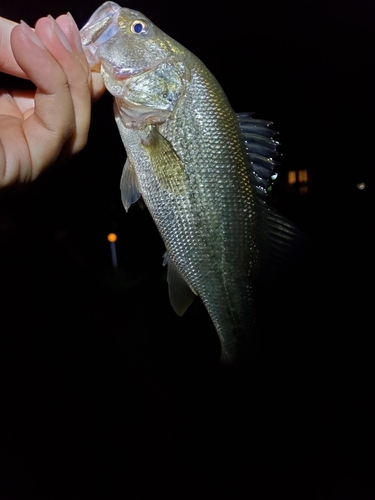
{"type": "Point", "coordinates": [127, 73]}
{"type": "Point", "coordinates": [100, 27]}
{"type": "Point", "coordinates": [118, 80]}
{"type": "Point", "coordinates": [122, 74]}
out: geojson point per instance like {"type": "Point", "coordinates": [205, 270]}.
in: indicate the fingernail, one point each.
{"type": "Point", "coordinates": [75, 31]}
{"type": "Point", "coordinates": [60, 34]}
{"type": "Point", "coordinates": [30, 33]}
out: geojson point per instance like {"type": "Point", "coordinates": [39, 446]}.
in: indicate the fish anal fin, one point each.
{"type": "Point", "coordinates": [180, 294]}
{"type": "Point", "coordinates": [129, 185]}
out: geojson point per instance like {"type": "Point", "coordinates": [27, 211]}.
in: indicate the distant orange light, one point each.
{"type": "Point", "coordinates": [112, 237]}
{"type": "Point", "coordinates": [292, 177]}
{"type": "Point", "coordinates": [302, 176]}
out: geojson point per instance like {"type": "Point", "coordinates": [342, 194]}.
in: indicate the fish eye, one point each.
{"type": "Point", "coordinates": [139, 27]}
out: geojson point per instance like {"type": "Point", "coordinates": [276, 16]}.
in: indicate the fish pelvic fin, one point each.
{"type": "Point", "coordinates": [166, 164]}
{"type": "Point", "coordinates": [130, 192]}
{"type": "Point", "coordinates": [180, 294]}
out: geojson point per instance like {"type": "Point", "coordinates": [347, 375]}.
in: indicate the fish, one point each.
{"type": "Point", "coordinates": [203, 171]}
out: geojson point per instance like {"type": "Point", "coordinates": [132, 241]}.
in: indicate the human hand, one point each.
{"type": "Point", "coordinates": [39, 127]}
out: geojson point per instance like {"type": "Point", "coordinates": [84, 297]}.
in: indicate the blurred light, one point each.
{"type": "Point", "coordinates": [361, 186]}
{"type": "Point", "coordinates": [112, 237]}
{"type": "Point", "coordinates": [303, 189]}
{"type": "Point", "coordinates": [292, 178]}
{"type": "Point", "coordinates": [302, 175]}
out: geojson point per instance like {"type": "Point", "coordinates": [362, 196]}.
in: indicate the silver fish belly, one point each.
{"type": "Point", "coordinates": [187, 157]}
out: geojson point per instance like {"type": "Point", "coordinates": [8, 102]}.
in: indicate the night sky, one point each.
{"type": "Point", "coordinates": [104, 391]}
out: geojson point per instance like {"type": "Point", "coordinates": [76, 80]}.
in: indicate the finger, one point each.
{"type": "Point", "coordinates": [65, 54]}
{"type": "Point", "coordinates": [8, 105]}
{"type": "Point", "coordinates": [8, 63]}
{"type": "Point", "coordinates": [97, 86]}
{"type": "Point", "coordinates": [70, 29]}
{"type": "Point", "coordinates": [52, 122]}
{"type": "Point", "coordinates": [68, 25]}
{"type": "Point", "coordinates": [23, 101]}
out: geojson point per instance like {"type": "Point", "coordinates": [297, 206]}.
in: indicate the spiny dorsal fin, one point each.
{"type": "Point", "coordinates": [261, 148]}
{"type": "Point", "coordinates": [283, 245]}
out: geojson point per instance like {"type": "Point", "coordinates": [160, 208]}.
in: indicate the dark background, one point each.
{"type": "Point", "coordinates": [104, 391]}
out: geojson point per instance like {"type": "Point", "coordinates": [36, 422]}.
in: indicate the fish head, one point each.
{"type": "Point", "coordinates": [142, 67]}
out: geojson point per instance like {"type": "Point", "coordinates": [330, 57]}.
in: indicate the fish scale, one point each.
{"type": "Point", "coordinates": [213, 223]}
{"type": "Point", "coordinates": [202, 170]}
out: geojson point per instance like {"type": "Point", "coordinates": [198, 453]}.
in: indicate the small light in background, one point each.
{"type": "Point", "coordinates": [361, 186]}
{"type": "Point", "coordinates": [112, 238]}
{"type": "Point", "coordinates": [292, 178]}
{"type": "Point", "coordinates": [302, 176]}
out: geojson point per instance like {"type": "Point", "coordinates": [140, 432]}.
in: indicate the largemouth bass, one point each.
{"type": "Point", "coordinates": [202, 170]}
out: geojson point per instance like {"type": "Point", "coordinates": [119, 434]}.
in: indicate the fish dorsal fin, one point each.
{"type": "Point", "coordinates": [180, 293]}
{"type": "Point", "coordinates": [284, 248]}
{"type": "Point", "coordinates": [283, 245]}
{"type": "Point", "coordinates": [129, 185]}
{"type": "Point", "coordinates": [261, 148]}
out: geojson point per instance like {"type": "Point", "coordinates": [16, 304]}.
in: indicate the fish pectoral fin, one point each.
{"type": "Point", "coordinates": [129, 185]}
{"type": "Point", "coordinates": [166, 164]}
{"type": "Point", "coordinates": [180, 293]}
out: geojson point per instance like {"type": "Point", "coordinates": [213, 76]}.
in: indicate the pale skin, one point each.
{"type": "Point", "coordinates": [38, 128]}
